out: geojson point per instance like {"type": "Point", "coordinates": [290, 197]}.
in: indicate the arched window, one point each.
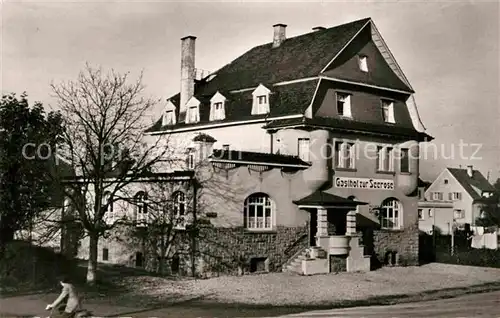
{"type": "Point", "coordinates": [259, 210]}
{"type": "Point", "coordinates": [390, 214]}
{"type": "Point", "coordinates": [179, 200]}
{"type": "Point", "coordinates": [141, 207]}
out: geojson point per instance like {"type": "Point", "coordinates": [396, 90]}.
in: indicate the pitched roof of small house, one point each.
{"type": "Point", "coordinates": [477, 181]}
{"type": "Point", "coordinates": [326, 199]}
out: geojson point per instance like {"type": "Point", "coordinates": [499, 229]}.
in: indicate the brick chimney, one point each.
{"type": "Point", "coordinates": [469, 171]}
{"type": "Point", "coordinates": [279, 34]}
{"type": "Point", "coordinates": [187, 73]}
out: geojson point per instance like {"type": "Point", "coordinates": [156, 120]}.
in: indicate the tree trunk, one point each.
{"type": "Point", "coordinates": [92, 264]}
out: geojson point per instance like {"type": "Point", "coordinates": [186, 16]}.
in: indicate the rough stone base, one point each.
{"type": "Point", "coordinates": [397, 248]}
{"type": "Point", "coordinates": [338, 264]}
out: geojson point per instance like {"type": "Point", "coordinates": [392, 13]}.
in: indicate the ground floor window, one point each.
{"type": "Point", "coordinates": [259, 211]}
{"type": "Point", "coordinates": [105, 254]}
{"type": "Point", "coordinates": [390, 214]}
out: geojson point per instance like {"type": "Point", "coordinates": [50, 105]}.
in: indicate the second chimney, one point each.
{"type": "Point", "coordinates": [187, 73]}
{"type": "Point", "coordinates": [279, 34]}
{"type": "Point", "coordinates": [469, 171]}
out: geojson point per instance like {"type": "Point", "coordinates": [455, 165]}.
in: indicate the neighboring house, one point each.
{"type": "Point", "coordinates": [313, 145]}
{"type": "Point", "coordinates": [455, 197]}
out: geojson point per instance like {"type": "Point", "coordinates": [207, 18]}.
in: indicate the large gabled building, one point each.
{"type": "Point", "coordinates": [313, 144]}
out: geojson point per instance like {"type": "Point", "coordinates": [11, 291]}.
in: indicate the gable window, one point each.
{"type": "Point", "coordinates": [388, 111]}
{"type": "Point", "coordinates": [303, 149]}
{"type": "Point", "coordinates": [437, 196]}
{"type": "Point", "coordinates": [217, 111]}
{"type": "Point", "coordinates": [260, 103]}
{"type": "Point", "coordinates": [404, 160]}
{"type": "Point", "coordinates": [390, 214]}
{"type": "Point", "coordinates": [385, 159]}
{"type": "Point", "coordinates": [445, 181]}
{"type": "Point", "coordinates": [363, 63]}
{"type": "Point", "coordinates": [141, 207]}
{"type": "Point", "coordinates": [345, 154]}
{"type": "Point", "coordinates": [259, 210]}
{"type": "Point", "coordinates": [193, 114]}
{"type": "Point", "coordinates": [169, 118]}
{"type": "Point", "coordinates": [344, 104]}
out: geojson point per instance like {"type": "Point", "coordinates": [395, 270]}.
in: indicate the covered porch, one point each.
{"type": "Point", "coordinates": [332, 232]}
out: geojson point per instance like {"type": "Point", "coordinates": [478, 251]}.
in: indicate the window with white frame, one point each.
{"type": "Point", "coordinates": [303, 148]}
{"type": "Point", "coordinates": [445, 181]}
{"type": "Point", "coordinates": [179, 209]}
{"type": "Point", "coordinates": [437, 196]}
{"type": "Point", "coordinates": [404, 160]}
{"type": "Point", "coordinates": [260, 103]}
{"type": "Point", "coordinates": [193, 114]}
{"type": "Point", "coordinates": [420, 214]}
{"type": "Point", "coordinates": [344, 104]}
{"type": "Point", "coordinates": [385, 159]}
{"type": "Point", "coordinates": [259, 210]}
{"type": "Point", "coordinates": [390, 214]}
{"type": "Point", "coordinates": [107, 204]}
{"type": "Point", "coordinates": [190, 160]}
{"type": "Point", "coordinates": [193, 110]}
{"type": "Point", "coordinates": [169, 118]}
{"type": "Point", "coordinates": [217, 109]}
{"type": "Point", "coordinates": [388, 111]}
{"type": "Point", "coordinates": [345, 154]}
{"type": "Point", "coordinates": [458, 214]}
{"type": "Point", "coordinates": [430, 213]}
{"type": "Point", "coordinates": [363, 63]}
{"type": "Point", "coordinates": [141, 207]}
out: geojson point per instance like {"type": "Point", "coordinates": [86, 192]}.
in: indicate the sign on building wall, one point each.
{"type": "Point", "coordinates": [364, 183]}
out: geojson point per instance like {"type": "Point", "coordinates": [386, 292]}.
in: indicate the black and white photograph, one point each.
{"type": "Point", "coordinates": [213, 159]}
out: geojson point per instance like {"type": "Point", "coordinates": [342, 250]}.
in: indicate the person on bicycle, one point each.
{"type": "Point", "coordinates": [72, 302]}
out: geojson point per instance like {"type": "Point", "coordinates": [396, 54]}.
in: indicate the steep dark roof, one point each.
{"type": "Point", "coordinates": [324, 198]}
{"type": "Point", "coordinates": [284, 100]}
{"type": "Point", "coordinates": [257, 157]}
{"type": "Point", "coordinates": [423, 184]}
{"type": "Point", "coordinates": [478, 181]}
{"type": "Point", "coordinates": [350, 125]}
{"type": "Point", "coordinates": [297, 57]}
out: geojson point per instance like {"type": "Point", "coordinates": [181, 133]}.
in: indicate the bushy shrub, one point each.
{"type": "Point", "coordinates": [473, 257]}
{"type": "Point", "coordinates": [25, 267]}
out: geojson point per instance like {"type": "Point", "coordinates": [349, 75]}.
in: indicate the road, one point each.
{"type": "Point", "coordinates": [476, 305]}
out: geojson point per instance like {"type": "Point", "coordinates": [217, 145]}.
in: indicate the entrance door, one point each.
{"type": "Point", "coordinates": [313, 227]}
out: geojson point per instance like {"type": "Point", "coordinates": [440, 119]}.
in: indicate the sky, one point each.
{"type": "Point", "coordinates": [449, 51]}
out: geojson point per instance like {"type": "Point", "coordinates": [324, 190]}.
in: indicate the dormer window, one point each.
{"type": "Point", "coordinates": [193, 111]}
{"type": "Point", "coordinates": [344, 104]}
{"type": "Point", "coordinates": [217, 109]}
{"type": "Point", "coordinates": [260, 100]}
{"type": "Point", "coordinates": [363, 63]}
{"type": "Point", "coordinates": [388, 111]}
{"type": "Point", "coordinates": [169, 115]}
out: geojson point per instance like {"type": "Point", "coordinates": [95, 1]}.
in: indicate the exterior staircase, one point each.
{"type": "Point", "coordinates": [294, 264]}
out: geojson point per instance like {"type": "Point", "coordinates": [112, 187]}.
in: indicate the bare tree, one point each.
{"type": "Point", "coordinates": [104, 142]}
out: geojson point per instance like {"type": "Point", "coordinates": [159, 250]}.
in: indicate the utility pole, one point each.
{"type": "Point", "coordinates": [453, 236]}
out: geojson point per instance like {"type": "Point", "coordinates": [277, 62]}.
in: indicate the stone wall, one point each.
{"type": "Point", "coordinates": [403, 242]}
{"type": "Point", "coordinates": [231, 250]}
